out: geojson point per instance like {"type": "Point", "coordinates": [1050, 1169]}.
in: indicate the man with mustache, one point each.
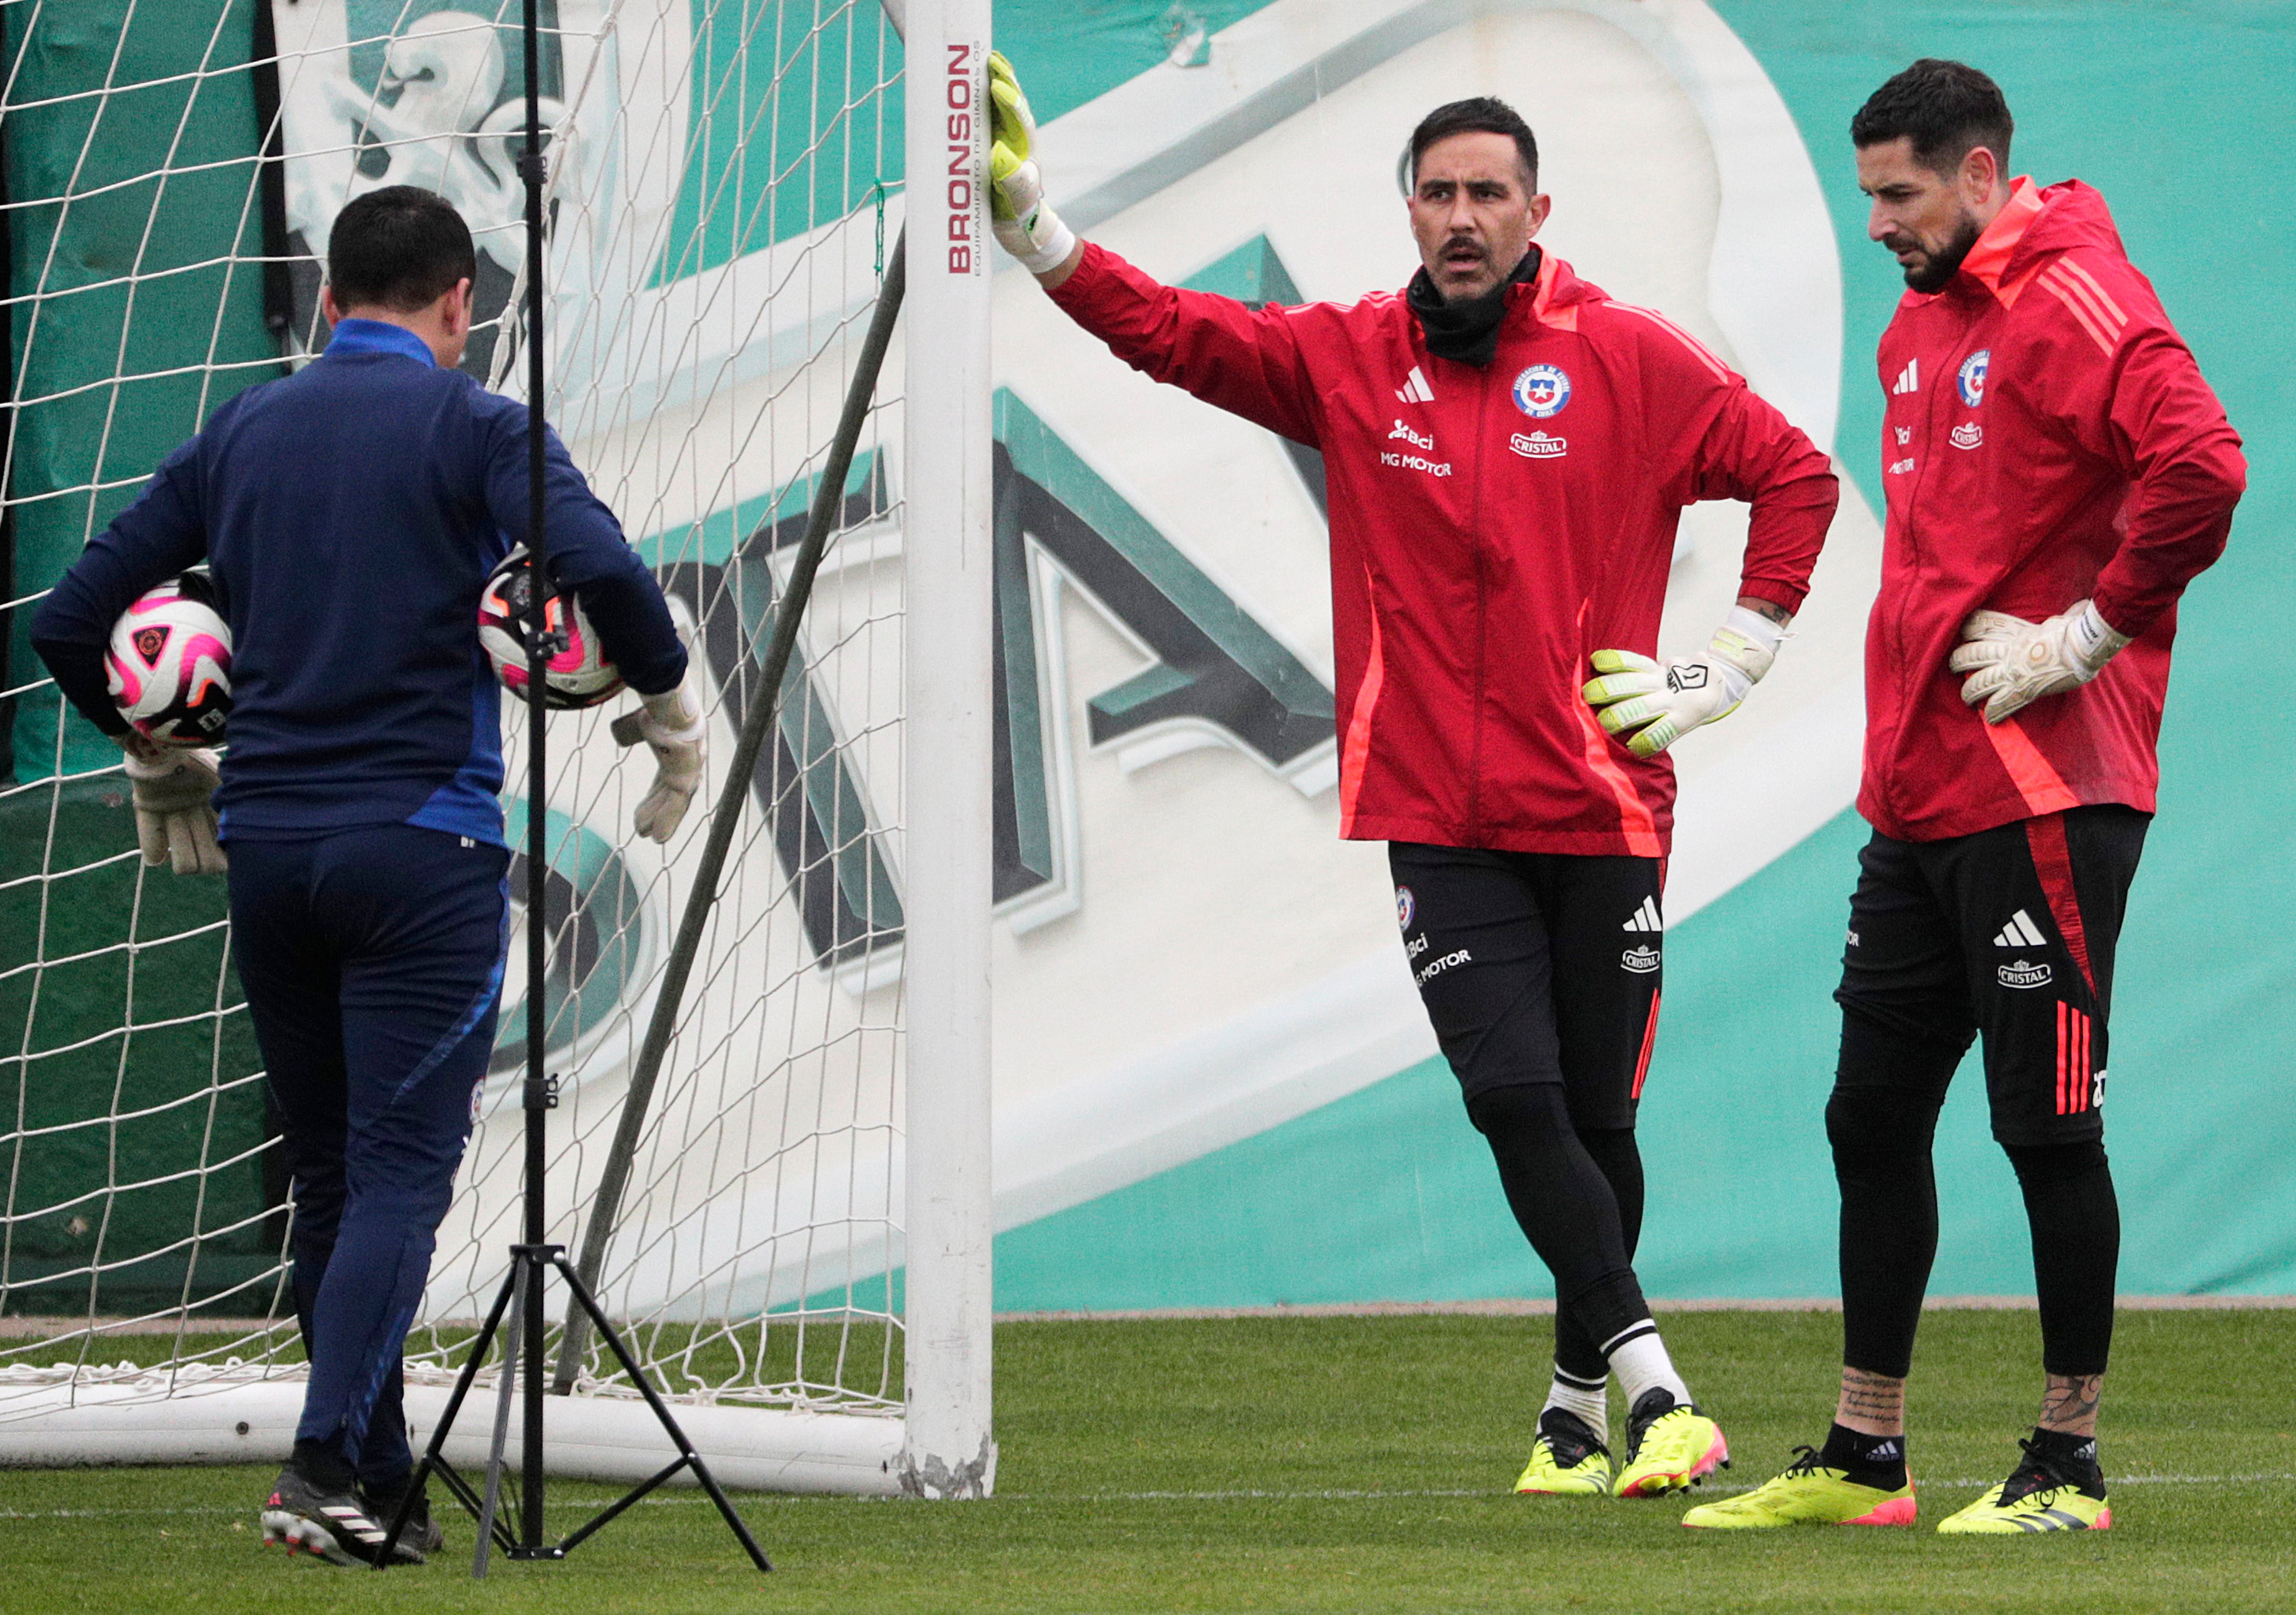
{"type": "Point", "coordinates": [2057, 471]}
{"type": "Point", "coordinates": [1507, 451]}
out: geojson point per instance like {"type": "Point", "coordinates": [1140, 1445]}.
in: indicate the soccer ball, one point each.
{"type": "Point", "coordinates": [168, 664]}
{"type": "Point", "coordinates": [579, 676]}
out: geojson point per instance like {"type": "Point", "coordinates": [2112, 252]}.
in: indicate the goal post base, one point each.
{"type": "Point", "coordinates": [61, 1422]}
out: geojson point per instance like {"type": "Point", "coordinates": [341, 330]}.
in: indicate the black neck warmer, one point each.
{"type": "Point", "coordinates": [1467, 331]}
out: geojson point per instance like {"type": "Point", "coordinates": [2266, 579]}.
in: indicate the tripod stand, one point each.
{"type": "Point", "coordinates": [532, 1259]}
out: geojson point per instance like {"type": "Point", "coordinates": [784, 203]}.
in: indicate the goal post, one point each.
{"type": "Point", "coordinates": [948, 1450]}
{"type": "Point", "coordinates": [800, 1253]}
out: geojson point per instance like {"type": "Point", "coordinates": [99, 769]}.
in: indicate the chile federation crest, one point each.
{"type": "Point", "coordinates": [1971, 377]}
{"type": "Point", "coordinates": [1541, 391]}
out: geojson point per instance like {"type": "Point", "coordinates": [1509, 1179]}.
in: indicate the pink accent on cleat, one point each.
{"type": "Point", "coordinates": [2103, 1521]}
{"type": "Point", "coordinates": [1897, 1511]}
{"type": "Point", "coordinates": [1714, 1457]}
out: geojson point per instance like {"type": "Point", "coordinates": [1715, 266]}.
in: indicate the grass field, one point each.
{"type": "Point", "coordinates": [1333, 1463]}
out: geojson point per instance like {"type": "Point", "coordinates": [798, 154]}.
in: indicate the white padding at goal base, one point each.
{"type": "Point", "coordinates": [227, 1417]}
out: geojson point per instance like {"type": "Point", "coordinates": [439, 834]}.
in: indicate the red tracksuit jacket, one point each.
{"type": "Point", "coordinates": [2049, 438]}
{"type": "Point", "coordinates": [1491, 528]}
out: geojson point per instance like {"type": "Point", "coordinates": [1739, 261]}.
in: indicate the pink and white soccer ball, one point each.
{"type": "Point", "coordinates": [579, 676]}
{"type": "Point", "coordinates": [168, 664]}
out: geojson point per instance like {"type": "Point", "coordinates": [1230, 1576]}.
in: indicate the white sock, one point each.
{"type": "Point", "coordinates": [1639, 1357]}
{"type": "Point", "coordinates": [1590, 1405]}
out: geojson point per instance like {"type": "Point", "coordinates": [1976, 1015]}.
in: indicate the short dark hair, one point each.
{"type": "Point", "coordinates": [1476, 115]}
{"type": "Point", "coordinates": [1948, 108]}
{"type": "Point", "coordinates": [400, 248]}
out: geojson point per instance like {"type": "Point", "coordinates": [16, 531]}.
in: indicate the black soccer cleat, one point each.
{"type": "Point", "coordinates": [421, 1536]}
{"type": "Point", "coordinates": [337, 1526]}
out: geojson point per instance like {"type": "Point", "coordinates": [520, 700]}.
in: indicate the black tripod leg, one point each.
{"type": "Point", "coordinates": [527, 1285]}
{"type": "Point", "coordinates": [613, 1339]}
{"type": "Point", "coordinates": [431, 1459]}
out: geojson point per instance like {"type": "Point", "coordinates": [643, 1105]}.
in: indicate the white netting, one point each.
{"type": "Point", "coordinates": [721, 176]}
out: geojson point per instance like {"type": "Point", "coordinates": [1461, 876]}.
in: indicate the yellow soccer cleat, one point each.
{"type": "Point", "coordinates": [2040, 1495]}
{"type": "Point", "coordinates": [1807, 1494]}
{"type": "Point", "coordinates": [1669, 1445]}
{"type": "Point", "coordinates": [1567, 1459]}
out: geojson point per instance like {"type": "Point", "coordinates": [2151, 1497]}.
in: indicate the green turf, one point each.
{"type": "Point", "coordinates": [1335, 1463]}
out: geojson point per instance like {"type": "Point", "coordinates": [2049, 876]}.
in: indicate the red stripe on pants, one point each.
{"type": "Point", "coordinates": [2083, 1022]}
{"type": "Point", "coordinates": [1650, 1038]}
{"type": "Point", "coordinates": [2061, 1060]}
{"type": "Point", "coordinates": [2053, 861]}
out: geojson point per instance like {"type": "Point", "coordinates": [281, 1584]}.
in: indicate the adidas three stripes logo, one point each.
{"type": "Point", "coordinates": [1646, 918]}
{"type": "Point", "coordinates": [2020, 932]}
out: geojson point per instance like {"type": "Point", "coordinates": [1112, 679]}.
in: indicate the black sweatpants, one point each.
{"type": "Point", "coordinates": [1540, 972]}
{"type": "Point", "coordinates": [2009, 933]}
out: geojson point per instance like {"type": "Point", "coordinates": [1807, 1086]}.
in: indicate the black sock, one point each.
{"type": "Point", "coordinates": [1875, 1461]}
{"type": "Point", "coordinates": [2070, 1456]}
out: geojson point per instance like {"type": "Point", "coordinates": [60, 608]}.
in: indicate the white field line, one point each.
{"type": "Point", "coordinates": [1210, 1496]}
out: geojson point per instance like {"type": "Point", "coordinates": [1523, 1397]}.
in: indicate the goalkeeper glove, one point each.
{"type": "Point", "coordinates": [1026, 226]}
{"type": "Point", "coordinates": [2012, 663]}
{"type": "Point", "coordinates": [175, 816]}
{"type": "Point", "coordinates": [670, 723]}
{"type": "Point", "coordinates": [1654, 704]}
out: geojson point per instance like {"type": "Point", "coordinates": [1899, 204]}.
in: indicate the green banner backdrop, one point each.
{"type": "Point", "coordinates": [1390, 1193]}
{"type": "Point", "coordinates": [2179, 113]}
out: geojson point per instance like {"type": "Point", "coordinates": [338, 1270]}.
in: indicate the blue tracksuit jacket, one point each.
{"type": "Point", "coordinates": [349, 514]}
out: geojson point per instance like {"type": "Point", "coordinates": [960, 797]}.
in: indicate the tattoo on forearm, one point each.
{"type": "Point", "coordinates": [2072, 1400]}
{"type": "Point", "coordinates": [1770, 609]}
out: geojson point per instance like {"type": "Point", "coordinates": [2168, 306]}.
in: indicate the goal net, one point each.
{"type": "Point", "coordinates": [725, 194]}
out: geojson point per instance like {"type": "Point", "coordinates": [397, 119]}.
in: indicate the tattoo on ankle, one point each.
{"type": "Point", "coordinates": [2071, 1402]}
{"type": "Point", "coordinates": [1872, 1396]}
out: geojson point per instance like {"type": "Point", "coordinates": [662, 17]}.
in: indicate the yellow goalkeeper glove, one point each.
{"type": "Point", "coordinates": [1025, 223]}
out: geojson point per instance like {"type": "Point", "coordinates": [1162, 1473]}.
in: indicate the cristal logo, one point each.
{"type": "Point", "coordinates": [1639, 961]}
{"type": "Point", "coordinates": [1541, 391]}
{"type": "Point", "coordinates": [1969, 434]}
{"type": "Point", "coordinates": [1415, 439]}
{"type": "Point", "coordinates": [1538, 445]}
{"type": "Point", "coordinates": [2023, 974]}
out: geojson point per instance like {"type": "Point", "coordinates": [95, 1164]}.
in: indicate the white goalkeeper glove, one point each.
{"type": "Point", "coordinates": [1026, 226]}
{"type": "Point", "coordinates": [670, 723]}
{"type": "Point", "coordinates": [2012, 663]}
{"type": "Point", "coordinates": [1654, 704]}
{"type": "Point", "coordinates": [175, 814]}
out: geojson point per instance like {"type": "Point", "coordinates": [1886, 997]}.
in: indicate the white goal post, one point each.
{"type": "Point", "coordinates": [801, 1258]}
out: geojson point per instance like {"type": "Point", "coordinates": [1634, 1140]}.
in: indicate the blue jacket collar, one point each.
{"type": "Point", "coordinates": [378, 336]}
